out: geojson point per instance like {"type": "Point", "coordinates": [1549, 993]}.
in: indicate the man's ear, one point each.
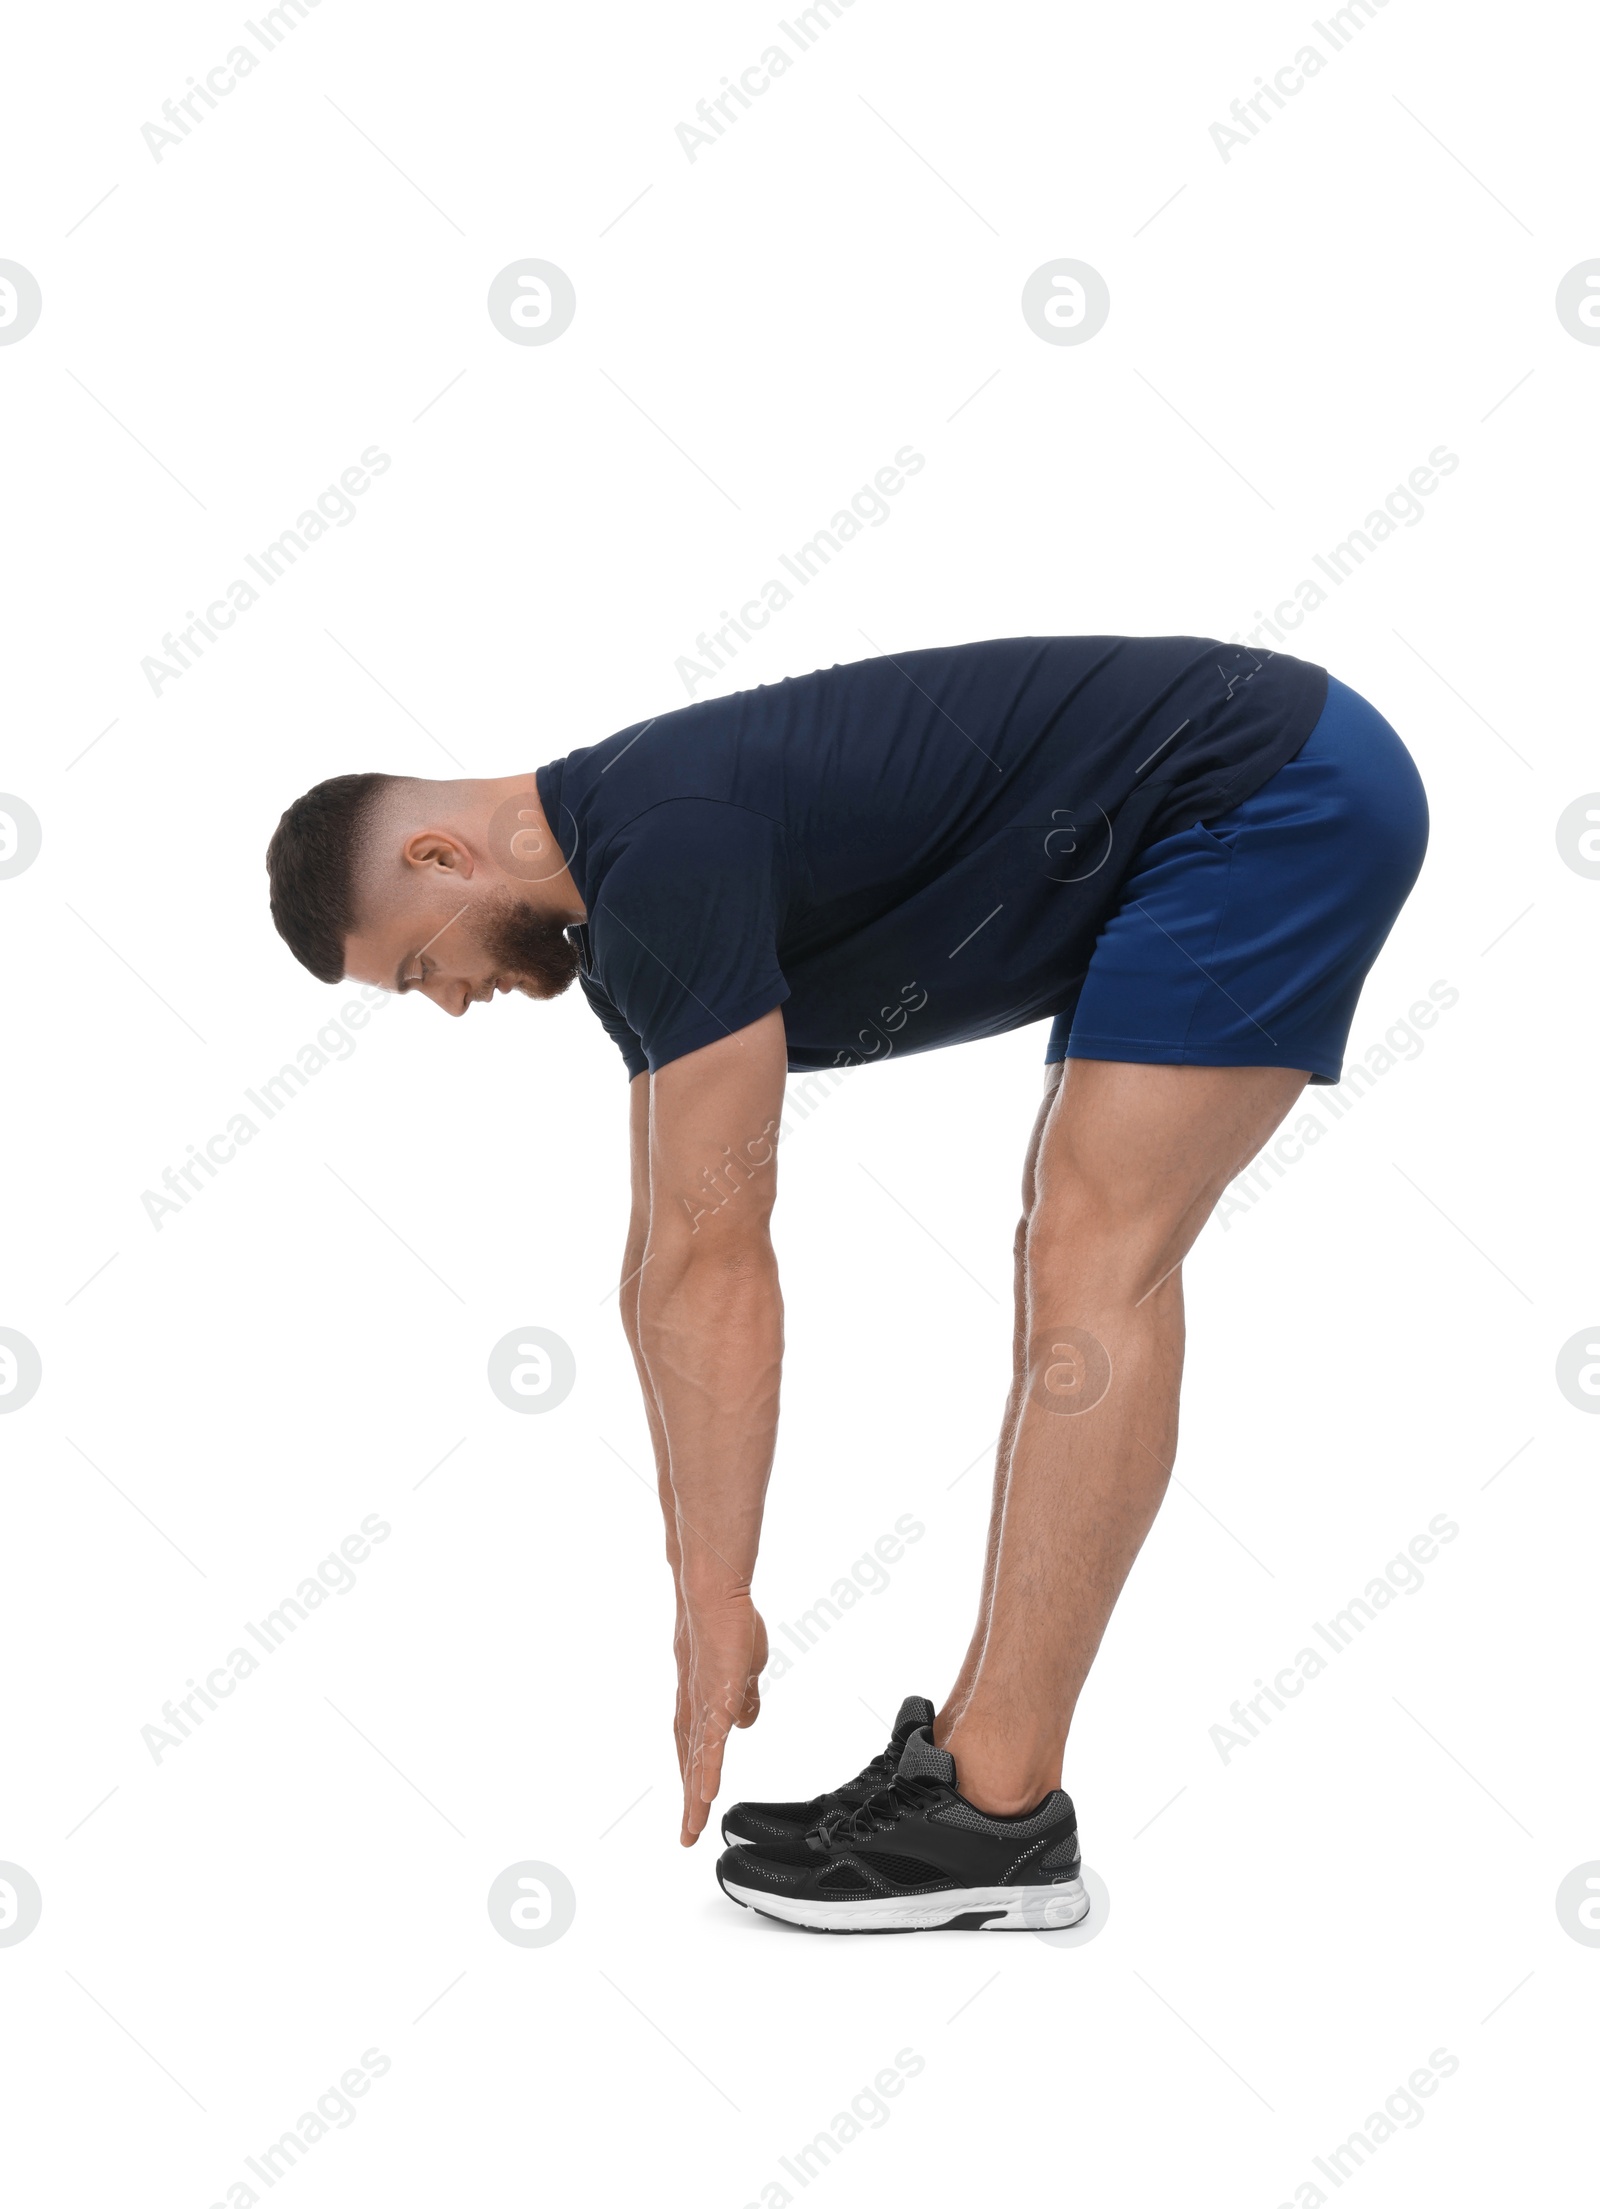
{"type": "Point", "coordinates": [435, 850]}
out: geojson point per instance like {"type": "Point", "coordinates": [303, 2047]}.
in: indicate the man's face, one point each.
{"type": "Point", "coordinates": [463, 948]}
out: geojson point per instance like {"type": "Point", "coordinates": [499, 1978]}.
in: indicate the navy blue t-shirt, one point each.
{"type": "Point", "coordinates": [904, 852]}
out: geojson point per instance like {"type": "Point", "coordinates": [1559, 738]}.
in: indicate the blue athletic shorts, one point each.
{"type": "Point", "coordinates": [1244, 941]}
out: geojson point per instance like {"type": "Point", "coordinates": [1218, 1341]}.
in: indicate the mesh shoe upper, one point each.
{"type": "Point", "coordinates": [770, 1824]}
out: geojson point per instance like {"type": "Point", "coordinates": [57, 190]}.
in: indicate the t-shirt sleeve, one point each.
{"type": "Point", "coordinates": [684, 932]}
{"type": "Point", "coordinates": [615, 1026]}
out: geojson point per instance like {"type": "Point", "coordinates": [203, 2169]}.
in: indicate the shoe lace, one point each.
{"type": "Point", "coordinates": [876, 1774]}
{"type": "Point", "coordinates": [878, 1814]}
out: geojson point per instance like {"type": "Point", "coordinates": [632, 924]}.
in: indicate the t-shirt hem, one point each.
{"type": "Point", "coordinates": [1259, 771]}
{"type": "Point", "coordinates": [1150, 813]}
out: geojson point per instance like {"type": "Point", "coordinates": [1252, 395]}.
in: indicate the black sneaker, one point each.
{"type": "Point", "coordinates": [775, 1824]}
{"type": "Point", "coordinates": [916, 1856]}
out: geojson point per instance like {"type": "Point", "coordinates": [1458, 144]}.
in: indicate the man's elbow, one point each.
{"type": "Point", "coordinates": [716, 1266]}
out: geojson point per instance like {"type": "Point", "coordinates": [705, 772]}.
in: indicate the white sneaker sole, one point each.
{"type": "Point", "coordinates": [997, 1909]}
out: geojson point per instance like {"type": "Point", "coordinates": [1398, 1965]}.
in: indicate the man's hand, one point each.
{"type": "Point", "coordinates": [722, 1653]}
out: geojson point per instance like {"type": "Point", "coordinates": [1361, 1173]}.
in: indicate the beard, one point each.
{"type": "Point", "coordinates": [530, 949]}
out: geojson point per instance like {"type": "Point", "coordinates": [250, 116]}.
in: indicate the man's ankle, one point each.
{"type": "Point", "coordinates": [1004, 1783]}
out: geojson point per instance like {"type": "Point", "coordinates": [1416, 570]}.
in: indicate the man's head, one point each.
{"type": "Point", "coordinates": [457, 889]}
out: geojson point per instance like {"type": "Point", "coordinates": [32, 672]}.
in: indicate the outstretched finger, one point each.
{"type": "Point", "coordinates": [702, 1777]}
{"type": "Point", "coordinates": [712, 1749]}
{"type": "Point", "coordinates": [708, 1740]}
{"type": "Point", "coordinates": [696, 1805]}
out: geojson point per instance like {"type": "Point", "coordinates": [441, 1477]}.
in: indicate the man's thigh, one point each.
{"type": "Point", "coordinates": [1132, 1158]}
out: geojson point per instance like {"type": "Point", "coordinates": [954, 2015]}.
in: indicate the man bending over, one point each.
{"type": "Point", "coordinates": [1184, 855]}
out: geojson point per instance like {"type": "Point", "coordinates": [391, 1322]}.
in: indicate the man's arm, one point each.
{"type": "Point", "coordinates": [710, 1337]}
{"type": "Point", "coordinates": [633, 1263]}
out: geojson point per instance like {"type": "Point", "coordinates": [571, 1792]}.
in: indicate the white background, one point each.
{"type": "Point", "coordinates": [1298, 1929]}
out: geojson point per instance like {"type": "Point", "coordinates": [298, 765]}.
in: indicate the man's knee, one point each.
{"type": "Point", "coordinates": [1112, 1238]}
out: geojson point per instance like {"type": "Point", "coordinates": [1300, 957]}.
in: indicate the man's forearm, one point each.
{"type": "Point", "coordinates": [633, 1262]}
{"type": "Point", "coordinates": [711, 1342]}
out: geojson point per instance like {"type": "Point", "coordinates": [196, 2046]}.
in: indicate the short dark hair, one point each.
{"type": "Point", "coordinates": [311, 864]}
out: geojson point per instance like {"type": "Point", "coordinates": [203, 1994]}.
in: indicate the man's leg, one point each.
{"type": "Point", "coordinates": [958, 1694]}
{"type": "Point", "coordinates": [1129, 1163]}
